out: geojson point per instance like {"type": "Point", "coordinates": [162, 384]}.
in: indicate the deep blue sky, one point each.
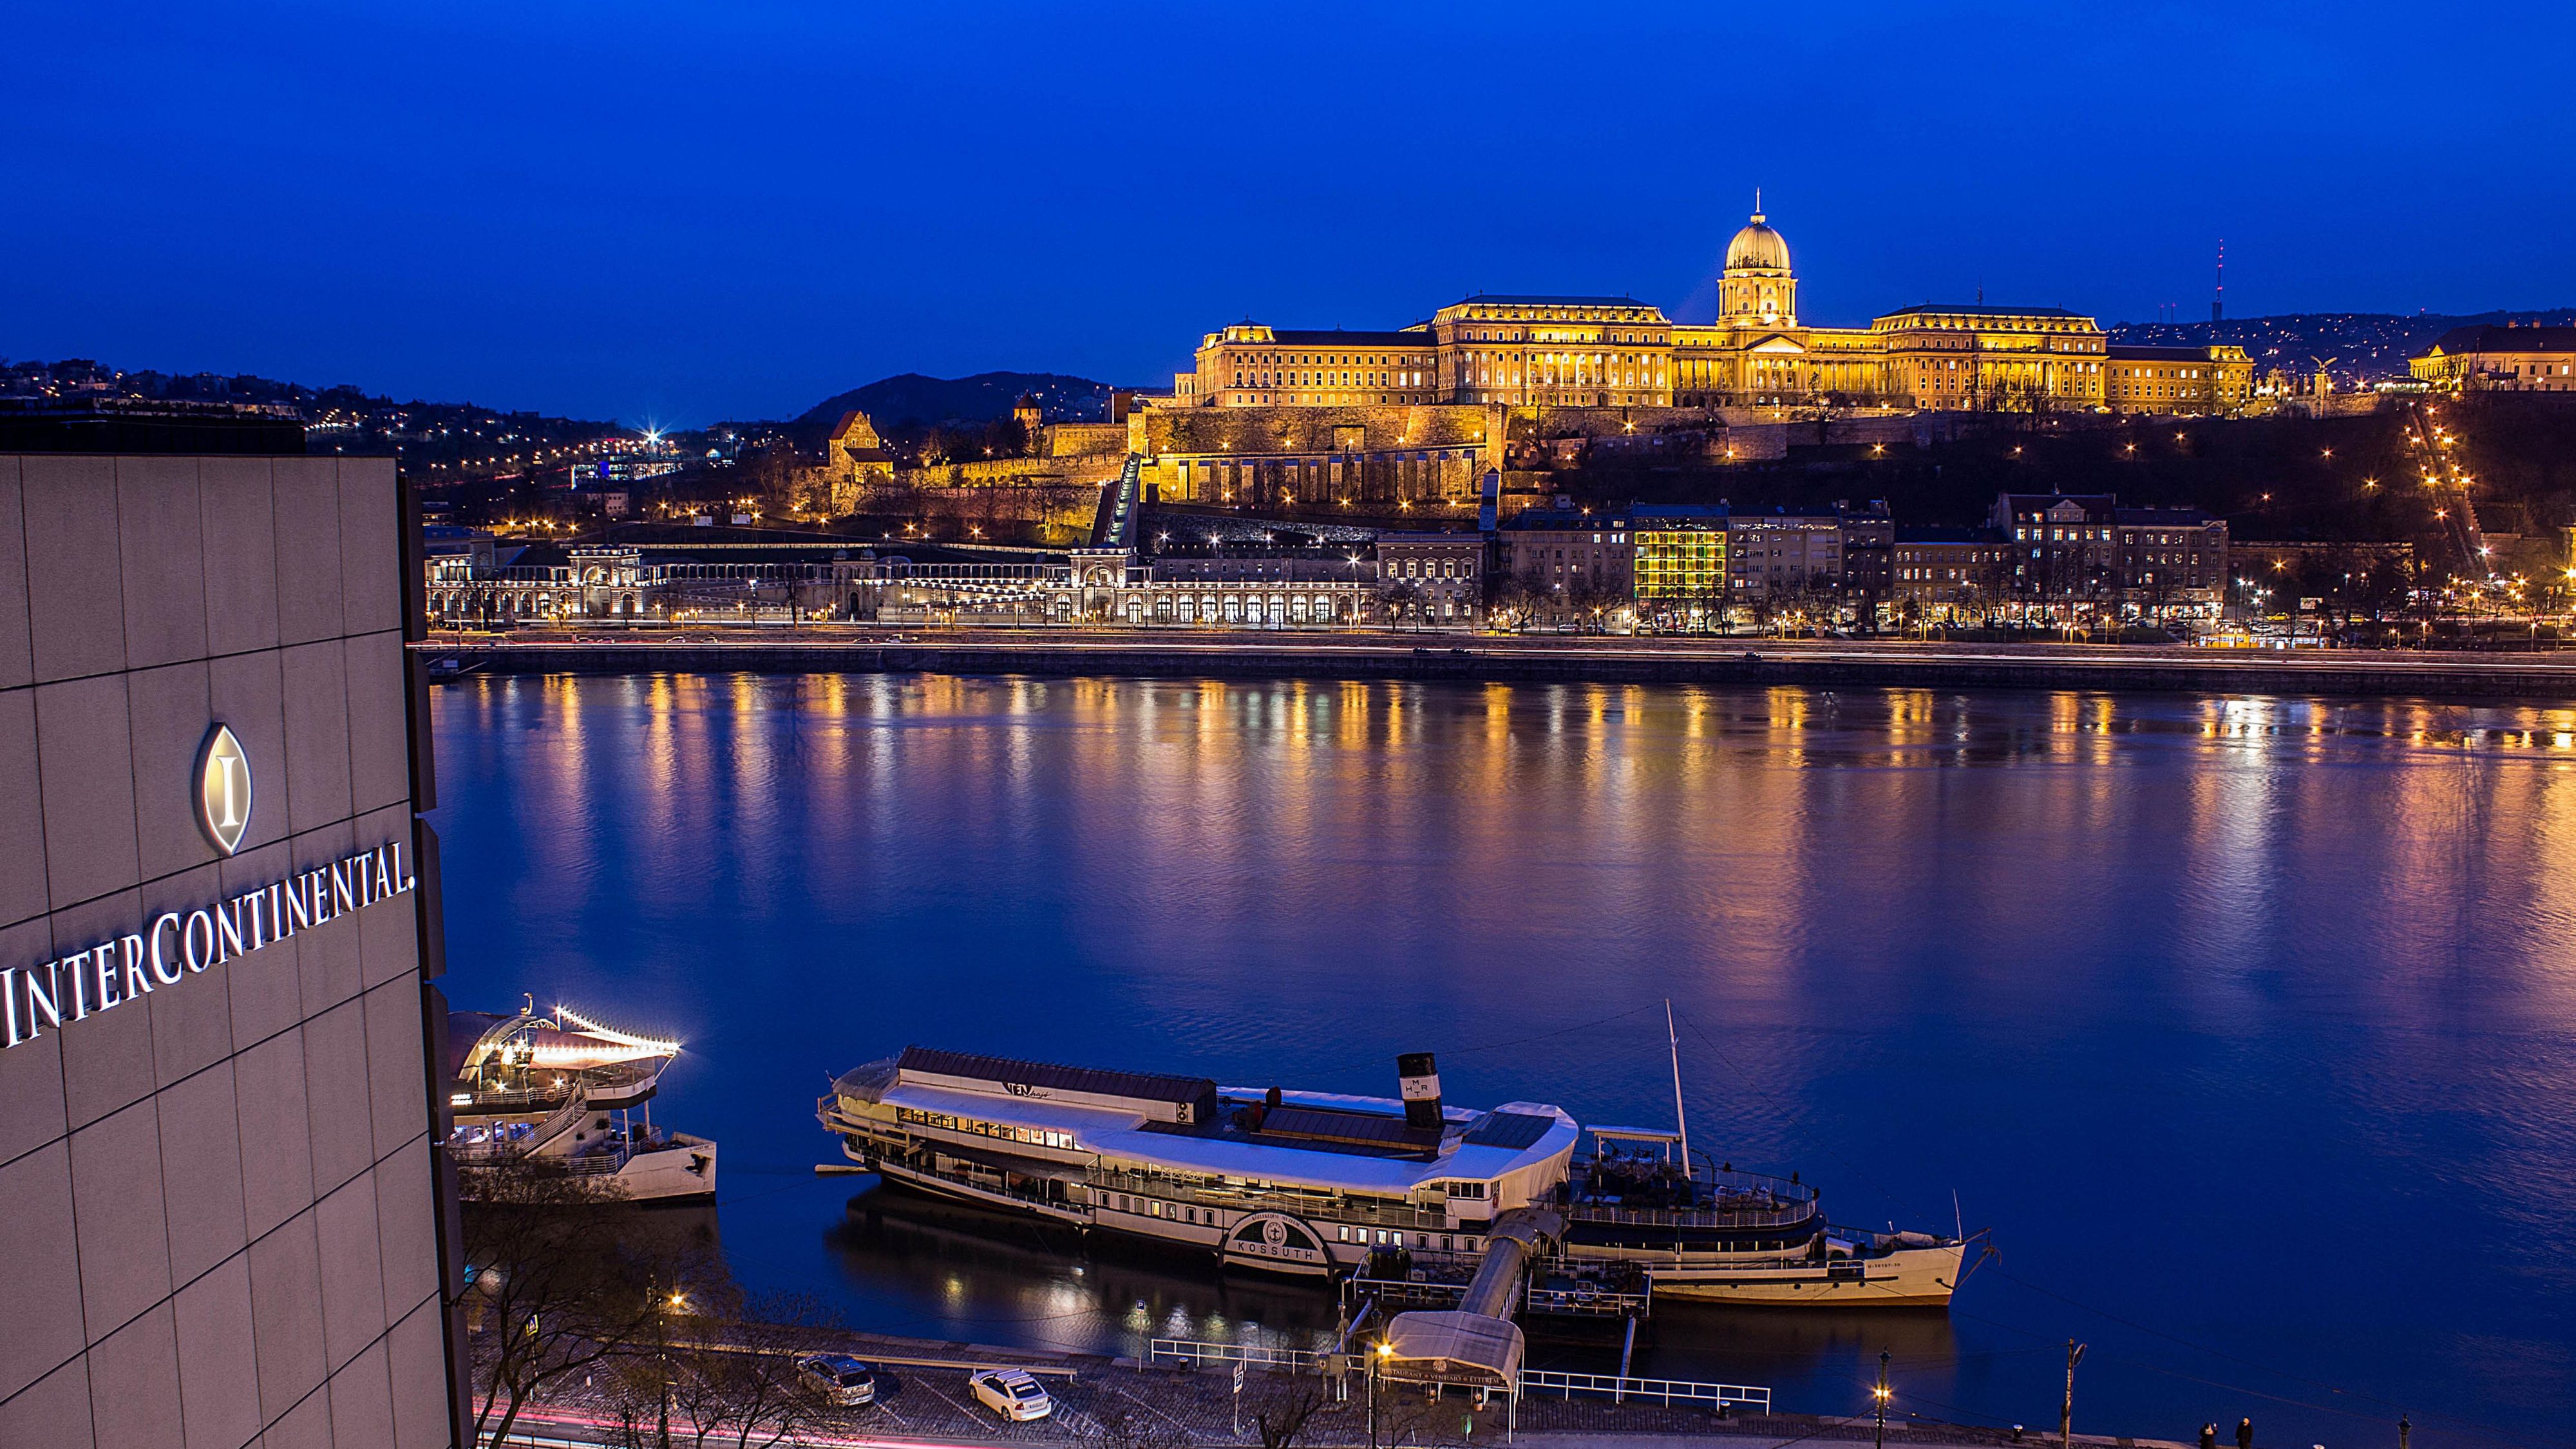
{"type": "Point", "coordinates": [685, 211]}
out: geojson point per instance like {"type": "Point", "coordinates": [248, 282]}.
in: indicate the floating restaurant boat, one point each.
{"type": "Point", "coordinates": [563, 1091]}
{"type": "Point", "coordinates": [1319, 1183]}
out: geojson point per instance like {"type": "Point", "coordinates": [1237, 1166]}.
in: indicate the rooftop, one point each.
{"type": "Point", "coordinates": [1980, 309]}
{"type": "Point", "coordinates": [1337, 337]}
{"type": "Point", "coordinates": [2489, 338]}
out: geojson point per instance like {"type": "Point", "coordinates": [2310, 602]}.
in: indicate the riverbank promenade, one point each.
{"type": "Point", "coordinates": [2539, 677]}
{"type": "Point", "coordinates": [1105, 1403]}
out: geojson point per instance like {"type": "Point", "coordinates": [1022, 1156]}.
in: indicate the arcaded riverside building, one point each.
{"type": "Point", "coordinates": [219, 1215]}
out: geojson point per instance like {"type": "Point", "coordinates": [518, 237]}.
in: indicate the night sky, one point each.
{"type": "Point", "coordinates": [683, 212]}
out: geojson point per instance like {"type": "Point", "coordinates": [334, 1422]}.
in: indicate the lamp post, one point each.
{"type": "Point", "coordinates": [1880, 1395]}
{"type": "Point", "coordinates": [1377, 1361]}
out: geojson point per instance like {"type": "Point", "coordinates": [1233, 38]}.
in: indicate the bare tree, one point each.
{"type": "Point", "coordinates": [1284, 1408]}
{"type": "Point", "coordinates": [746, 1391]}
{"type": "Point", "coordinates": [553, 1293]}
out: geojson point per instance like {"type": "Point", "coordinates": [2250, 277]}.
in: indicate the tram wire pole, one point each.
{"type": "Point", "coordinates": [2066, 1415]}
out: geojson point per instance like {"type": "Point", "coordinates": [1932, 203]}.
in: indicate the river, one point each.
{"type": "Point", "coordinates": [2247, 1026]}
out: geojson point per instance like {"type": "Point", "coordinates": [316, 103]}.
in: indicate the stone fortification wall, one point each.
{"type": "Point", "coordinates": [1086, 471]}
{"type": "Point", "coordinates": [1062, 511]}
{"type": "Point", "coordinates": [1085, 440]}
{"type": "Point", "coordinates": [1318, 456]}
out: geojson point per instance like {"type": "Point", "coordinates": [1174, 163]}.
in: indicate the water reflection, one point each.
{"type": "Point", "coordinates": [2184, 996]}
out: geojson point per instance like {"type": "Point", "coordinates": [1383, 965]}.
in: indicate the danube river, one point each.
{"type": "Point", "coordinates": [2247, 1026]}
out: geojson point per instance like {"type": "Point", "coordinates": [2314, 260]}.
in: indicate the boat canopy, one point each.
{"type": "Point", "coordinates": [1456, 1348]}
{"type": "Point", "coordinates": [1185, 1100]}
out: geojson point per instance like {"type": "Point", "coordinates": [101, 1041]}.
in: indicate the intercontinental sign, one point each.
{"type": "Point", "coordinates": [176, 945]}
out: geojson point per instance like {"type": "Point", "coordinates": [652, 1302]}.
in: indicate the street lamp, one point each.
{"type": "Point", "coordinates": [1880, 1395]}
{"type": "Point", "coordinates": [1377, 1367]}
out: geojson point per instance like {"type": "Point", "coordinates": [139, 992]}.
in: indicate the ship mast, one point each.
{"type": "Point", "coordinates": [1680, 1122]}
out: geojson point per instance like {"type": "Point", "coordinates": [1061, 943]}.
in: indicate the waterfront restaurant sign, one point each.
{"type": "Point", "coordinates": [175, 946]}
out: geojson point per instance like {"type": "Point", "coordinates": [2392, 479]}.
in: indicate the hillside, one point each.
{"type": "Point", "coordinates": [2362, 347]}
{"type": "Point", "coordinates": [911, 398]}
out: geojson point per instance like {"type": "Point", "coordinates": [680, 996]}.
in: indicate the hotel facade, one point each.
{"type": "Point", "coordinates": [222, 1219]}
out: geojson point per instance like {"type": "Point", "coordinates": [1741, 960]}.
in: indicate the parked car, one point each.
{"type": "Point", "coordinates": [838, 1377]}
{"type": "Point", "coordinates": [1011, 1393]}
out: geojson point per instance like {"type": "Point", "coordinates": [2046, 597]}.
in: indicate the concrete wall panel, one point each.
{"type": "Point", "coordinates": [168, 709]}
{"type": "Point", "coordinates": [31, 1073]}
{"type": "Point", "coordinates": [159, 530]}
{"type": "Point", "coordinates": [17, 663]}
{"type": "Point", "coordinates": [307, 495]}
{"type": "Point", "coordinates": [201, 1171]}
{"type": "Point", "coordinates": [353, 1275]}
{"type": "Point", "coordinates": [22, 852]}
{"type": "Point", "coordinates": [39, 1279]}
{"type": "Point", "coordinates": [134, 1384]}
{"type": "Point", "coordinates": [116, 1203]}
{"type": "Point", "coordinates": [248, 692]}
{"type": "Point", "coordinates": [286, 1315]}
{"type": "Point", "coordinates": [75, 604]}
{"type": "Point", "coordinates": [238, 530]}
{"type": "Point", "coordinates": [218, 1372]}
{"type": "Point", "coordinates": [85, 760]}
{"type": "Point", "coordinates": [276, 1148]}
{"type": "Point", "coordinates": [316, 678]}
{"type": "Point", "coordinates": [335, 1086]}
{"type": "Point", "coordinates": [55, 1411]}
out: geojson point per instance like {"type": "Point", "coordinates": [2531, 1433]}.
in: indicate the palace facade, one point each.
{"type": "Point", "coordinates": [1619, 352]}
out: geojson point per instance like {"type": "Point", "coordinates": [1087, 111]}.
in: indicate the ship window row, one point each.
{"type": "Point", "coordinates": [1033, 1136]}
{"type": "Point", "coordinates": [1396, 1238]}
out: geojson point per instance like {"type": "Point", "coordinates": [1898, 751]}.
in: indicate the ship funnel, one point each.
{"type": "Point", "coordinates": [1418, 1082]}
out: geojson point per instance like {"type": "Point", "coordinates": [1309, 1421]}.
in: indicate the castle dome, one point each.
{"type": "Point", "coordinates": [1757, 246]}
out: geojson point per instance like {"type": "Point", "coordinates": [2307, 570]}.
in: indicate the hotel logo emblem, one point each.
{"type": "Point", "coordinates": [223, 789]}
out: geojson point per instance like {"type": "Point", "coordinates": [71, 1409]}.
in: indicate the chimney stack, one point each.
{"type": "Point", "coordinates": [1418, 1082]}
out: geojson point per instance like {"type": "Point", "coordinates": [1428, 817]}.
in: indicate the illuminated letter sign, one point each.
{"type": "Point", "coordinates": [223, 789]}
{"type": "Point", "coordinates": [177, 945]}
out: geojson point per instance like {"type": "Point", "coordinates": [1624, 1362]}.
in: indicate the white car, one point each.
{"type": "Point", "coordinates": [1011, 1393]}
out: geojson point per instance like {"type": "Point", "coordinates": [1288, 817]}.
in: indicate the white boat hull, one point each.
{"type": "Point", "coordinates": [1241, 1240]}
{"type": "Point", "coordinates": [681, 1172]}
{"type": "Point", "coordinates": [1901, 1278]}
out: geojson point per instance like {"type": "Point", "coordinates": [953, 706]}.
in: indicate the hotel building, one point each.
{"type": "Point", "coordinates": [222, 1222]}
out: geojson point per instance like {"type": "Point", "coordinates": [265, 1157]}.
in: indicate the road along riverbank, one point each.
{"type": "Point", "coordinates": [2528, 678]}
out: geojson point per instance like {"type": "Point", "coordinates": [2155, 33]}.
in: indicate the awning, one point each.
{"type": "Point", "coordinates": [1456, 1348]}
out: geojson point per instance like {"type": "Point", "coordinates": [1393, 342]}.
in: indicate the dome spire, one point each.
{"type": "Point", "coordinates": [1757, 203]}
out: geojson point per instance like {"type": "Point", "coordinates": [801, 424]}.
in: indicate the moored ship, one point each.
{"type": "Point", "coordinates": [1316, 1183]}
{"type": "Point", "coordinates": [1304, 1183]}
{"type": "Point", "coordinates": [562, 1092]}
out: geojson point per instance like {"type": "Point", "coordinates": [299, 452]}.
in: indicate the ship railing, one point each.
{"type": "Point", "coordinates": [1362, 1210]}
{"type": "Point", "coordinates": [526, 1097]}
{"type": "Point", "coordinates": [1584, 1212]}
{"type": "Point", "coordinates": [1750, 1397]}
{"type": "Point", "coordinates": [1199, 1353]}
{"type": "Point", "coordinates": [598, 1164]}
{"type": "Point", "coordinates": [1717, 1180]}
